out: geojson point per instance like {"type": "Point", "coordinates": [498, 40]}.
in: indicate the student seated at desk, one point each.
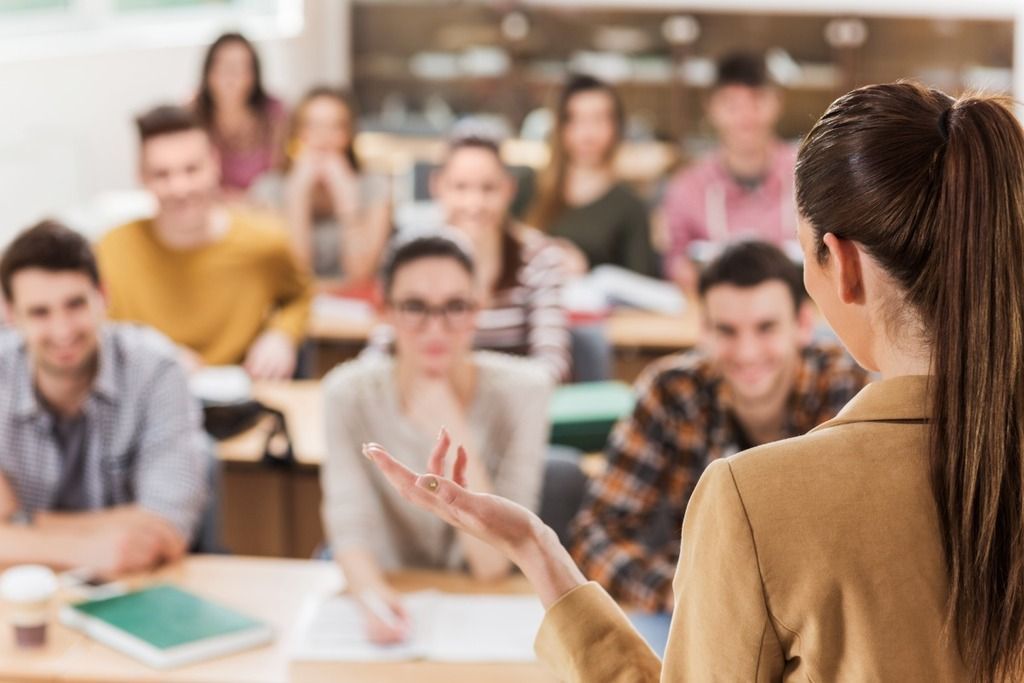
{"type": "Point", "coordinates": [519, 271]}
{"type": "Point", "coordinates": [495, 404]}
{"type": "Point", "coordinates": [246, 123]}
{"type": "Point", "coordinates": [103, 460]}
{"type": "Point", "coordinates": [596, 218]}
{"type": "Point", "coordinates": [743, 189]}
{"type": "Point", "coordinates": [757, 379]}
{"type": "Point", "coordinates": [339, 217]}
{"type": "Point", "coordinates": [222, 283]}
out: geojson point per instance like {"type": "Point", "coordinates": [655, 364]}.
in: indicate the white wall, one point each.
{"type": "Point", "coordinates": [66, 130]}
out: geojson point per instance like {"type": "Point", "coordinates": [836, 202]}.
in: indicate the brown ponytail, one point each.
{"type": "Point", "coordinates": [933, 189]}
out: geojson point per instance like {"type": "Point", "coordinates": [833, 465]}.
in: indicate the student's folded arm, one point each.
{"type": "Point", "coordinates": [721, 626]}
{"type": "Point", "coordinates": [19, 544]}
{"type": "Point", "coordinates": [364, 241]}
{"type": "Point", "coordinates": [519, 472]}
{"type": "Point", "coordinates": [519, 475]}
{"type": "Point", "coordinates": [174, 455]}
{"type": "Point", "coordinates": [350, 508]}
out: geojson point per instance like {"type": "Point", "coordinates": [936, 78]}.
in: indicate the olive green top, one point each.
{"type": "Point", "coordinates": [613, 229]}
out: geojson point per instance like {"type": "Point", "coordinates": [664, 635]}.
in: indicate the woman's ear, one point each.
{"type": "Point", "coordinates": [846, 271]}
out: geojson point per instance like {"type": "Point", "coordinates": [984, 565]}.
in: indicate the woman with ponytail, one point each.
{"type": "Point", "coordinates": [888, 543]}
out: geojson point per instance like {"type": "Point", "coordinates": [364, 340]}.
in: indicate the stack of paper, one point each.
{"type": "Point", "coordinates": [445, 627]}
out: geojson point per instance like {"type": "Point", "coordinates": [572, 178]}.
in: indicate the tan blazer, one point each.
{"type": "Point", "coordinates": [817, 558]}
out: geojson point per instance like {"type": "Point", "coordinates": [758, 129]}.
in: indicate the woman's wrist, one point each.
{"type": "Point", "coordinates": [547, 565]}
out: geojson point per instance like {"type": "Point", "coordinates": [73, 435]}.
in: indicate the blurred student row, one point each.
{"type": "Point", "coordinates": [103, 459]}
{"type": "Point", "coordinates": [211, 263]}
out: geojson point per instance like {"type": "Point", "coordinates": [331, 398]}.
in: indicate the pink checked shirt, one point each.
{"type": "Point", "coordinates": [704, 202]}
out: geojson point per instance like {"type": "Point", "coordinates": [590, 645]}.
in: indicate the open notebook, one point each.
{"type": "Point", "coordinates": [445, 627]}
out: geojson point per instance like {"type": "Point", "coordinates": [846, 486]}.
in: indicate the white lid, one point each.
{"type": "Point", "coordinates": [28, 583]}
{"type": "Point", "coordinates": [221, 384]}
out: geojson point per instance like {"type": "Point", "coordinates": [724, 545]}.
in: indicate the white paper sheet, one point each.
{"type": "Point", "coordinates": [445, 627]}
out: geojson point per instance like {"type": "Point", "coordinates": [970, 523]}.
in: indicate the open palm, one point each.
{"type": "Point", "coordinates": [497, 521]}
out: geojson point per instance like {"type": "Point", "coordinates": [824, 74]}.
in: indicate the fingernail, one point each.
{"type": "Point", "coordinates": [441, 434]}
{"type": "Point", "coordinates": [366, 451]}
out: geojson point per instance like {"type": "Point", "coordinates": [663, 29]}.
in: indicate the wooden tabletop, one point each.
{"type": "Point", "coordinates": [274, 591]}
{"type": "Point", "coordinates": [634, 329]}
{"type": "Point", "coordinates": [268, 589]}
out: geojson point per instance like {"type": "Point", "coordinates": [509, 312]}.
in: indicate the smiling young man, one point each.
{"type": "Point", "coordinates": [743, 189]}
{"type": "Point", "coordinates": [103, 460]}
{"type": "Point", "coordinates": [223, 283]}
{"type": "Point", "coordinates": [757, 379]}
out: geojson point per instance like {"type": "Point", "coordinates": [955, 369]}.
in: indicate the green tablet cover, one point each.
{"type": "Point", "coordinates": [166, 617]}
{"type": "Point", "coordinates": [583, 414]}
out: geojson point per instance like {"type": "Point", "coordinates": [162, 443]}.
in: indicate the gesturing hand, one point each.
{"type": "Point", "coordinates": [515, 531]}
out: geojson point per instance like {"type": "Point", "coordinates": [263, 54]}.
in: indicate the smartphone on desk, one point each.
{"type": "Point", "coordinates": [86, 584]}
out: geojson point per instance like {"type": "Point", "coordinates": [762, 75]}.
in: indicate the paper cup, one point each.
{"type": "Point", "coordinates": [28, 590]}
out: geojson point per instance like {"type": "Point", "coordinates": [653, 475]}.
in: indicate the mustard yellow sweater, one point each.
{"type": "Point", "coordinates": [215, 299]}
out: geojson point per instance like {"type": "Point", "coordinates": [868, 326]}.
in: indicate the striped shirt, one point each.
{"type": "Point", "coordinates": [525, 319]}
{"type": "Point", "coordinates": [681, 423]}
{"type": "Point", "coordinates": [143, 438]}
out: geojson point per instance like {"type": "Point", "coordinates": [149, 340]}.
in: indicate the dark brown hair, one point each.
{"type": "Point", "coordinates": [418, 248]}
{"type": "Point", "coordinates": [742, 68]}
{"type": "Point", "coordinates": [550, 202]}
{"type": "Point", "coordinates": [511, 247]}
{"type": "Point", "coordinates": [748, 264]}
{"type": "Point", "coordinates": [295, 122]}
{"type": "Point", "coordinates": [932, 189]}
{"type": "Point", "coordinates": [50, 246]}
{"type": "Point", "coordinates": [257, 101]}
{"type": "Point", "coordinates": [166, 119]}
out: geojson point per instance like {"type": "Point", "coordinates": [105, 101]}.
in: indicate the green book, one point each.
{"type": "Point", "coordinates": [164, 626]}
{"type": "Point", "coordinates": [583, 414]}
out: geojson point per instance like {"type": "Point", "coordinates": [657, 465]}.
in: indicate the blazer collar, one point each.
{"type": "Point", "coordinates": [898, 399]}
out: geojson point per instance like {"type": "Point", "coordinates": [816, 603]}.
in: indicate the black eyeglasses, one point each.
{"type": "Point", "coordinates": [454, 313]}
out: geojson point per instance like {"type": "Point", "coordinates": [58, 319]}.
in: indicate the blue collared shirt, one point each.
{"type": "Point", "coordinates": [144, 437]}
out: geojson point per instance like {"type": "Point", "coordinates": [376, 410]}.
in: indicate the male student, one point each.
{"type": "Point", "coordinates": [757, 378]}
{"type": "Point", "coordinates": [742, 189]}
{"type": "Point", "coordinates": [102, 455]}
{"type": "Point", "coordinates": [221, 282]}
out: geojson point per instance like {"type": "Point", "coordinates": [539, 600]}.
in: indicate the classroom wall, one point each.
{"type": "Point", "coordinates": [66, 121]}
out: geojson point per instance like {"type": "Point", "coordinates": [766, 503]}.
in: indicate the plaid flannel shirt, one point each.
{"type": "Point", "coordinates": [680, 424]}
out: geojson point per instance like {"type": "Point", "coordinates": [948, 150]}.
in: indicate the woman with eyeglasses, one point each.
{"type": "Point", "coordinates": [495, 404]}
{"type": "Point", "coordinates": [519, 273]}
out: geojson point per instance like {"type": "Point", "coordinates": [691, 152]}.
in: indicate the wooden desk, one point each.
{"type": "Point", "coordinates": [632, 329]}
{"type": "Point", "coordinates": [269, 589]}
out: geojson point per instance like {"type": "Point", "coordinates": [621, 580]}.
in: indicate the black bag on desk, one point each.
{"type": "Point", "coordinates": [225, 420]}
